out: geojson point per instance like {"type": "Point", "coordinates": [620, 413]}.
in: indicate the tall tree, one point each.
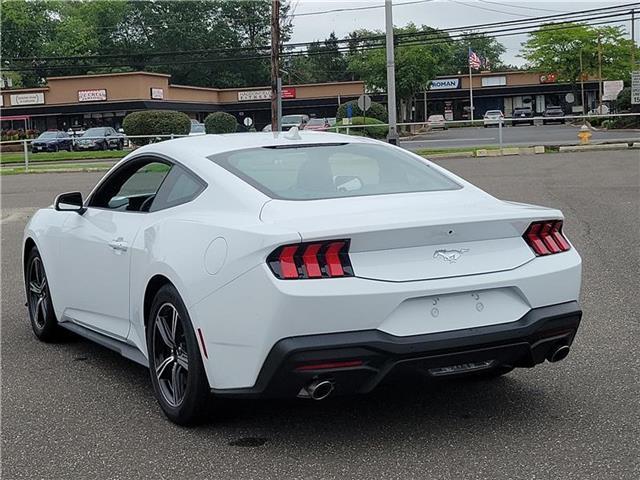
{"type": "Point", "coordinates": [558, 50]}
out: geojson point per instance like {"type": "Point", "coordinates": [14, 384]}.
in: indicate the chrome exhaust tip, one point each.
{"type": "Point", "coordinates": [317, 390]}
{"type": "Point", "coordinates": [558, 353]}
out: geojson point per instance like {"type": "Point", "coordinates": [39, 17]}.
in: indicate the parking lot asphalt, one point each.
{"type": "Point", "coordinates": [76, 410]}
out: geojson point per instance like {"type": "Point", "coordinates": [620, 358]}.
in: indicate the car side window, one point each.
{"type": "Point", "coordinates": [132, 187]}
{"type": "Point", "coordinates": [181, 186]}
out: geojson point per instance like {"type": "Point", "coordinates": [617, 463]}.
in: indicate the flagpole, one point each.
{"type": "Point", "coordinates": [470, 85]}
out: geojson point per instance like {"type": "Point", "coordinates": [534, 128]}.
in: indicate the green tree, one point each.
{"type": "Point", "coordinates": [558, 50]}
{"type": "Point", "coordinates": [415, 64]}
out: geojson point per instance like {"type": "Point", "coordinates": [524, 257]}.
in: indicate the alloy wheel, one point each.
{"type": "Point", "coordinates": [171, 360]}
{"type": "Point", "coordinates": [38, 304]}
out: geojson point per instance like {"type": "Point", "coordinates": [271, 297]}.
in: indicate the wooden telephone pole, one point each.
{"type": "Point", "coordinates": [275, 63]}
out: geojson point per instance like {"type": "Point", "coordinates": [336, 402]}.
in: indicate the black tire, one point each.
{"type": "Point", "coordinates": [186, 404]}
{"type": "Point", "coordinates": [41, 314]}
{"type": "Point", "coordinates": [104, 146]}
{"type": "Point", "coordinates": [55, 148]}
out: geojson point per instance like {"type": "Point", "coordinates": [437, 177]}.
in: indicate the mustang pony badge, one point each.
{"type": "Point", "coordinates": [450, 256]}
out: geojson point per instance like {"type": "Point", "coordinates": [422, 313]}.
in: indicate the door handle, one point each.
{"type": "Point", "coordinates": [118, 245]}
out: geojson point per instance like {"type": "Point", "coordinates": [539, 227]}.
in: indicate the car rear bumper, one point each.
{"type": "Point", "coordinates": [356, 362]}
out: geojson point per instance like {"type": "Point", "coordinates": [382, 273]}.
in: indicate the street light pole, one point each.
{"type": "Point", "coordinates": [391, 74]}
{"type": "Point", "coordinates": [275, 64]}
{"type": "Point", "coordinates": [584, 111]}
{"type": "Point", "coordinates": [600, 71]}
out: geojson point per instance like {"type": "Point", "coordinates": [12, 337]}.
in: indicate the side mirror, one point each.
{"type": "Point", "coordinates": [69, 202]}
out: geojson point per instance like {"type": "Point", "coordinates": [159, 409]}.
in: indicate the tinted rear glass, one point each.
{"type": "Point", "coordinates": [313, 172]}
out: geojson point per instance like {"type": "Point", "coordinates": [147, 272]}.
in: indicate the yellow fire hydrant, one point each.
{"type": "Point", "coordinates": [584, 135]}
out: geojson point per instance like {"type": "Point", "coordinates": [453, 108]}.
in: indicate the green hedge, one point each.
{"type": "Point", "coordinates": [220, 122]}
{"type": "Point", "coordinates": [377, 111]}
{"type": "Point", "coordinates": [156, 122]}
{"type": "Point", "coordinates": [373, 131]}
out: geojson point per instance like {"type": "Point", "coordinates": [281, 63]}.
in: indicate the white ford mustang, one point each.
{"type": "Point", "coordinates": [301, 265]}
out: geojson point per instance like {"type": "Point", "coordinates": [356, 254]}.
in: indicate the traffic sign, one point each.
{"type": "Point", "coordinates": [364, 102]}
{"type": "Point", "coordinates": [635, 87]}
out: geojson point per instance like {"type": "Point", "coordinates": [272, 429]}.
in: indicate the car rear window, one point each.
{"type": "Point", "coordinates": [321, 171]}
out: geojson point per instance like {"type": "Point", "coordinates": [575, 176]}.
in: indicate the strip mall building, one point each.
{"type": "Point", "coordinates": [503, 91]}
{"type": "Point", "coordinates": [95, 100]}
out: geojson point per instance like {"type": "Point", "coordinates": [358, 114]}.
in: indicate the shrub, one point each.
{"type": "Point", "coordinates": [373, 131]}
{"type": "Point", "coordinates": [220, 122]}
{"type": "Point", "coordinates": [156, 122]}
{"type": "Point", "coordinates": [377, 111]}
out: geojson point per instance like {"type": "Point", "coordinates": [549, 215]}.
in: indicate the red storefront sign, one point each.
{"type": "Point", "coordinates": [288, 92]}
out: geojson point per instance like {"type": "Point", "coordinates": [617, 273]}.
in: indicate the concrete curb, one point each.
{"type": "Point", "coordinates": [468, 154]}
{"type": "Point", "coordinates": [507, 151]}
{"type": "Point", "coordinates": [601, 146]}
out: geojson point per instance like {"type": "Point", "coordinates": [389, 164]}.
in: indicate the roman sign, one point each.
{"type": "Point", "coordinates": [444, 84]}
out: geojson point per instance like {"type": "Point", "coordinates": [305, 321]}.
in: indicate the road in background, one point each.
{"type": "Point", "coordinates": [521, 135]}
{"type": "Point", "coordinates": [76, 410]}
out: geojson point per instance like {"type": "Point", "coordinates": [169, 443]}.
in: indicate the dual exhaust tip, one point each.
{"type": "Point", "coordinates": [317, 390]}
{"type": "Point", "coordinates": [557, 353]}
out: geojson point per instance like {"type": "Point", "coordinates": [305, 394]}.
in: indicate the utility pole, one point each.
{"type": "Point", "coordinates": [275, 64]}
{"type": "Point", "coordinates": [600, 72]}
{"type": "Point", "coordinates": [391, 74]}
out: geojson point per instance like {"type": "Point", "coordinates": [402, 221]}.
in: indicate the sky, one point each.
{"type": "Point", "coordinates": [435, 13]}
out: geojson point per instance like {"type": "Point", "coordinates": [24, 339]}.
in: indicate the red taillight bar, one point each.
{"type": "Point", "coordinates": [328, 259]}
{"type": "Point", "coordinates": [546, 238]}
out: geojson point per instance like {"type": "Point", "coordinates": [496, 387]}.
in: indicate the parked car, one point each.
{"type": "Point", "coordinates": [100, 138]}
{"type": "Point", "coordinates": [299, 266]}
{"type": "Point", "coordinates": [436, 121]}
{"type": "Point", "coordinates": [553, 115]}
{"type": "Point", "coordinates": [289, 121]}
{"type": "Point", "coordinates": [317, 124]}
{"type": "Point", "coordinates": [197, 129]}
{"type": "Point", "coordinates": [52, 141]}
{"type": "Point", "coordinates": [522, 115]}
{"type": "Point", "coordinates": [299, 121]}
{"type": "Point", "coordinates": [493, 118]}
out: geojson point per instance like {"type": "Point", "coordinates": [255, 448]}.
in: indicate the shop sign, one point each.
{"type": "Point", "coordinates": [635, 87]}
{"type": "Point", "coordinates": [27, 99]}
{"type": "Point", "coordinates": [99, 95]}
{"type": "Point", "coordinates": [254, 95]}
{"type": "Point", "coordinates": [288, 92]}
{"type": "Point", "coordinates": [157, 94]}
{"type": "Point", "coordinates": [444, 84]}
{"type": "Point", "coordinates": [549, 78]}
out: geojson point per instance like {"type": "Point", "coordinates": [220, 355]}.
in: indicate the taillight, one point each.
{"type": "Point", "coordinates": [328, 259]}
{"type": "Point", "coordinates": [546, 238]}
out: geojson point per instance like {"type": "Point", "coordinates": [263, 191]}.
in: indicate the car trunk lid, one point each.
{"type": "Point", "coordinates": [417, 236]}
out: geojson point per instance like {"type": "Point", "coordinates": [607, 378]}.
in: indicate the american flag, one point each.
{"type": "Point", "coordinates": [474, 60]}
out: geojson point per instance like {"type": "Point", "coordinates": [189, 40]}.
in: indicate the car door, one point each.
{"type": "Point", "coordinates": [98, 243]}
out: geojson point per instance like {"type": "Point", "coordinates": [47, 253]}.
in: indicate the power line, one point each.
{"type": "Point", "coordinates": [344, 49]}
{"type": "Point", "coordinates": [486, 9]}
{"type": "Point", "coordinates": [477, 29]}
{"type": "Point", "coordinates": [511, 5]}
{"type": "Point", "coordinates": [355, 9]}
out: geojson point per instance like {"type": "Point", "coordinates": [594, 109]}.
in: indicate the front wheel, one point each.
{"type": "Point", "coordinates": [179, 380]}
{"type": "Point", "coordinates": [41, 314]}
